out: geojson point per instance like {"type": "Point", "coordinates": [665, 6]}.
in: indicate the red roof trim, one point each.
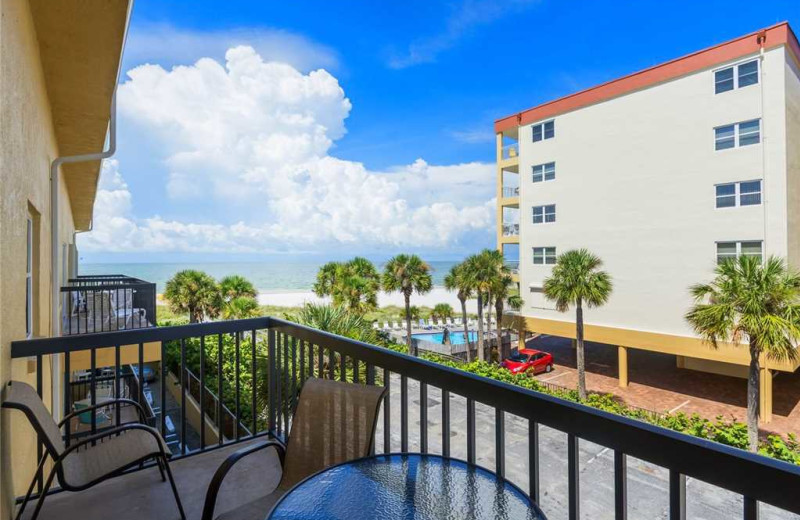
{"type": "Point", "coordinates": [777, 35]}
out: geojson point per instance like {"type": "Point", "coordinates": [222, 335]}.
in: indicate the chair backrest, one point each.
{"type": "Point", "coordinates": [122, 302]}
{"type": "Point", "coordinates": [334, 423]}
{"type": "Point", "coordinates": [21, 396]}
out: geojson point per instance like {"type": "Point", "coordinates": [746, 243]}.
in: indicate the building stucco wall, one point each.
{"type": "Point", "coordinates": [27, 146]}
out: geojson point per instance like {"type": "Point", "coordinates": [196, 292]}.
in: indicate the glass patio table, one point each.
{"type": "Point", "coordinates": [407, 486]}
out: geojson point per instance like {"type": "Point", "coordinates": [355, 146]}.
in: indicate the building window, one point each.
{"type": "Point", "coordinates": [732, 250]}
{"type": "Point", "coordinates": [738, 194]}
{"type": "Point", "coordinates": [749, 132]}
{"type": "Point", "coordinates": [750, 193]}
{"type": "Point", "coordinates": [545, 130]}
{"type": "Point", "coordinates": [544, 255]}
{"type": "Point", "coordinates": [544, 172]}
{"type": "Point", "coordinates": [737, 76]}
{"type": "Point", "coordinates": [741, 134]}
{"type": "Point", "coordinates": [723, 80]}
{"type": "Point", "coordinates": [29, 280]}
{"type": "Point", "coordinates": [544, 214]}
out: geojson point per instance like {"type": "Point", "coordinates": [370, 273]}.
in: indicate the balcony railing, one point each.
{"type": "Point", "coordinates": [510, 192]}
{"type": "Point", "coordinates": [510, 151]}
{"type": "Point", "coordinates": [274, 357]}
{"type": "Point", "coordinates": [102, 303]}
{"type": "Point", "coordinates": [510, 230]}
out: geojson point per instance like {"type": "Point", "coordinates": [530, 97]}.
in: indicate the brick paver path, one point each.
{"type": "Point", "coordinates": [657, 384]}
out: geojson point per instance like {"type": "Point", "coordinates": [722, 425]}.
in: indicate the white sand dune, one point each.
{"type": "Point", "coordinates": [298, 298]}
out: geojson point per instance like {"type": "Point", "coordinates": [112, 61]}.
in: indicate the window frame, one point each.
{"type": "Point", "coordinates": [544, 214]}
{"type": "Point", "coordinates": [543, 174]}
{"type": "Point", "coordinates": [737, 194]}
{"type": "Point", "coordinates": [734, 67]}
{"type": "Point", "coordinates": [739, 253]}
{"type": "Point", "coordinates": [737, 142]}
{"type": "Point", "coordinates": [542, 131]}
{"type": "Point", "coordinates": [548, 255]}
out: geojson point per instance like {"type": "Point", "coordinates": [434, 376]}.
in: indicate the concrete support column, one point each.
{"type": "Point", "coordinates": [765, 395]}
{"type": "Point", "coordinates": [622, 357]}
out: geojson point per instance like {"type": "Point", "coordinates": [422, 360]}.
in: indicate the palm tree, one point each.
{"type": "Point", "coordinates": [502, 296]}
{"type": "Point", "coordinates": [236, 286]}
{"type": "Point", "coordinates": [354, 284]}
{"type": "Point", "coordinates": [326, 279]}
{"type": "Point", "coordinates": [754, 303]}
{"type": "Point", "coordinates": [240, 308]}
{"type": "Point", "coordinates": [576, 280]}
{"type": "Point", "coordinates": [407, 274]}
{"type": "Point", "coordinates": [483, 271]}
{"type": "Point", "coordinates": [194, 292]}
{"type": "Point", "coordinates": [442, 311]}
{"type": "Point", "coordinates": [457, 280]}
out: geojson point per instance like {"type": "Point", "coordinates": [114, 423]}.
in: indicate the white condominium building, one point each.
{"type": "Point", "coordinates": [662, 174]}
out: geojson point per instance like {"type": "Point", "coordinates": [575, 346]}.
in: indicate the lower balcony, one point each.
{"type": "Point", "coordinates": [103, 303]}
{"type": "Point", "coordinates": [218, 386]}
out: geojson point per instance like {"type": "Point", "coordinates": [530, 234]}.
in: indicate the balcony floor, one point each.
{"type": "Point", "coordinates": [141, 495]}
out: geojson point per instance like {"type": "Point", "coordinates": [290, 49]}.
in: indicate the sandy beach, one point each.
{"type": "Point", "coordinates": [298, 298]}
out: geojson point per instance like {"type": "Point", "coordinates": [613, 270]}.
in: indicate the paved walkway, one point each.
{"type": "Point", "coordinates": [657, 384]}
{"type": "Point", "coordinates": [648, 485]}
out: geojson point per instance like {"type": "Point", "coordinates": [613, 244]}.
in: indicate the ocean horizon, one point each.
{"type": "Point", "coordinates": [267, 277]}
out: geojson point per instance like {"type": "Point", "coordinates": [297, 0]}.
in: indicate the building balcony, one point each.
{"type": "Point", "coordinates": [105, 303]}
{"type": "Point", "coordinates": [568, 456]}
{"type": "Point", "coordinates": [510, 230]}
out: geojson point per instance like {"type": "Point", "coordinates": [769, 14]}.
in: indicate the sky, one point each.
{"type": "Point", "coordinates": [265, 130]}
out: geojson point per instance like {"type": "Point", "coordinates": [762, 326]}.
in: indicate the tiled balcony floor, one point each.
{"type": "Point", "coordinates": [142, 495]}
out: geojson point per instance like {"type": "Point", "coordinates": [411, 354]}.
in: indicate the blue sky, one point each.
{"type": "Point", "coordinates": [424, 80]}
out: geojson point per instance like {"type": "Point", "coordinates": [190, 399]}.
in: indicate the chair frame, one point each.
{"type": "Point", "coordinates": [280, 447]}
{"type": "Point", "coordinates": [161, 458]}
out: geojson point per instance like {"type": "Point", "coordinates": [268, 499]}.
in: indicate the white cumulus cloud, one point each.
{"type": "Point", "coordinates": [258, 135]}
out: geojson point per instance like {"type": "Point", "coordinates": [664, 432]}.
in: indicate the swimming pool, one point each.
{"type": "Point", "coordinates": [456, 338]}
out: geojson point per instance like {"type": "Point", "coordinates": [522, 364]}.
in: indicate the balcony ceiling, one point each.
{"type": "Point", "coordinates": [80, 45]}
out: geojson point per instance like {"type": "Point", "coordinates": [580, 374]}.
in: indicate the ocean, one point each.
{"type": "Point", "coordinates": [268, 277]}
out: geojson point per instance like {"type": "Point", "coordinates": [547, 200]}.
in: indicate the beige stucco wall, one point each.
{"type": "Point", "coordinates": [27, 146]}
{"type": "Point", "coordinates": [634, 184]}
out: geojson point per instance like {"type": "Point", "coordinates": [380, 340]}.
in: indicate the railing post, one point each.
{"type": "Point", "coordinates": [677, 495]}
{"type": "Point", "coordinates": [272, 375]}
{"type": "Point", "coordinates": [620, 486]}
{"type": "Point", "coordinates": [574, 477]}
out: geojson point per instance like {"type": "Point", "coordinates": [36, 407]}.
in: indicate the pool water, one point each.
{"type": "Point", "coordinates": [456, 338]}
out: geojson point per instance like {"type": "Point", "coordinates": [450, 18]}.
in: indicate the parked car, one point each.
{"type": "Point", "coordinates": [528, 360]}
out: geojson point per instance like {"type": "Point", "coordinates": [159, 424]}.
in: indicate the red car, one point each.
{"type": "Point", "coordinates": [530, 361]}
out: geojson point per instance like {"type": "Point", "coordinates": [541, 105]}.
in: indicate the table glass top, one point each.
{"type": "Point", "coordinates": [405, 486]}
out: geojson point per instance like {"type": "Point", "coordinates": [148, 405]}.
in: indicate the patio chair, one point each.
{"type": "Point", "coordinates": [92, 459]}
{"type": "Point", "coordinates": [334, 422]}
{"type": "Point", "coordinates": [123, 309]}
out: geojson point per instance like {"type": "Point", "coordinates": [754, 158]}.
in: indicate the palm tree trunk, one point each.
{"type": "Point", "coordinates": [411, 349]}
{"type": "Point", "coordinates": [581, 361]}
{"type": "Point", "coordinates": [498, 311]}
{"type": "Point", "coordinates": [753, 397]}
{"type": "Point", "coordinates": [466, 328]}
{"type": "Point", "coordinates": [192, 315]}
{"type": "Point", "coordinates": [481, 353]}
{"type": "Point", "coordinates": [489, 315]}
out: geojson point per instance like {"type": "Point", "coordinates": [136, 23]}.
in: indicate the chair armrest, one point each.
{"type": "Point", "coordinates": [112, 402]}
{"type": "Point", "coordinates": [225, 467]}
{"type": "Point", "coordinates": [114, 431]}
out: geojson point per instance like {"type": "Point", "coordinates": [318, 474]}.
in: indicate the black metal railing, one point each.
{"type": "Point", "coordinates": [102, 303]}
{"type": "Point", "coordinates": [257, 367]}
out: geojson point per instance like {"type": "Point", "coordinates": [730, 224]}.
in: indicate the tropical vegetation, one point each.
{"type": "Point", "coordinates": [576, 281]}
{"type": "Point", "coordinates": [407, 274]}
{"type": "Point", "coordinates": [457, 281]}
{"type": "Point", "coordinates": [755, 305]}
{"type": "Point", "coordinates": [354, 284]}
{"type": "Point", "coordinates": [194, 292]}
